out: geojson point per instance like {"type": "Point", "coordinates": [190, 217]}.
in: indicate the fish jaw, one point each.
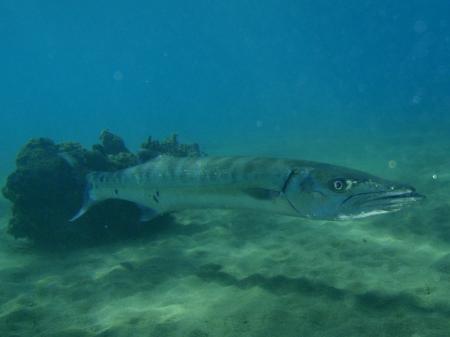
{"type": "Point", "coordinates": [365, 205]}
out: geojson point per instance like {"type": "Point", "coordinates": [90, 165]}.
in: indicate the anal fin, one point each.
{"type": "Point", "coordinates": [147, 213]}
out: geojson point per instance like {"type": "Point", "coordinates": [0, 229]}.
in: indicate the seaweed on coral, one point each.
{"type": "Point", "coordinates": [170, 146]}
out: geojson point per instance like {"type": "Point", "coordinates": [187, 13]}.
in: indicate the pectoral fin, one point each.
{"type": "Point", "coordinates": [262, 193]}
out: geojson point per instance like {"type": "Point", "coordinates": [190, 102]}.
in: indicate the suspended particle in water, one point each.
{"type": "Point", "coordinates": [392, 164]}
{"type": "Point", "coordinates": [118, 75]}
{"type": "Point", "coordinates": [416, 99]}
{"type": "Point", "coordinates": [434, 176]}
{"type": "Point", "coordinates": [420, 27]}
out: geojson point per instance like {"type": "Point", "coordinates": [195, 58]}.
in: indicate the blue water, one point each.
{"type": "Point", "coordinates": [330, 79]}
{"type": "Point", "coordinates": [216, 70]}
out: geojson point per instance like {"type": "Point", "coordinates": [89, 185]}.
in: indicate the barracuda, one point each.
{"type": "Point", "coordinates": [290, 187]}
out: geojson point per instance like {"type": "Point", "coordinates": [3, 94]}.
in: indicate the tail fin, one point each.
{"type": "Point", "coordinates": [88, 201]}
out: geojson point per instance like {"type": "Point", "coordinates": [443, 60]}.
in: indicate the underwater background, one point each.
{"type": "Point", "coordinates": [365, 84]}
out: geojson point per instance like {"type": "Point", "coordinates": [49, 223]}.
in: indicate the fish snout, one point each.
{"type": "Point", "coordinates": [396, 198]}
{"type": "Point", "coordinates": [405, 191]}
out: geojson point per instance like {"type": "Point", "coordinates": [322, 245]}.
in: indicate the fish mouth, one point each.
{"type": "Point", "coordinates": [384, 201]}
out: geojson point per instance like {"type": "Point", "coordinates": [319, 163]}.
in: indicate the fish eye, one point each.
{"type": "Point", "coordinates": [338, 185]}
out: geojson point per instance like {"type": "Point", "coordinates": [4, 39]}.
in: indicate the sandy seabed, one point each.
{"type": "Point", "coordinates": [228, 273]}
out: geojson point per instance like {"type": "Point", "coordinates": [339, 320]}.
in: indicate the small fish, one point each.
{"type": "Point", "coordinates": [282, 186]}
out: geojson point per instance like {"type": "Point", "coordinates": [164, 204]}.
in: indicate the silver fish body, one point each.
{"type": "Point", "coordinates": [282, 186]}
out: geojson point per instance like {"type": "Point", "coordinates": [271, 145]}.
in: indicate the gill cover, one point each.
{"type": "Point", "coordinates": [301, 192]}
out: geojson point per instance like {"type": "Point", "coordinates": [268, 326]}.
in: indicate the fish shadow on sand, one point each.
{"type": "Point", "coordinates": [302, 286]}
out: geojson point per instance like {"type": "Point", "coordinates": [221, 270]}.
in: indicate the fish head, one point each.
{"type": "Point", "coordinates": [337, 193]}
